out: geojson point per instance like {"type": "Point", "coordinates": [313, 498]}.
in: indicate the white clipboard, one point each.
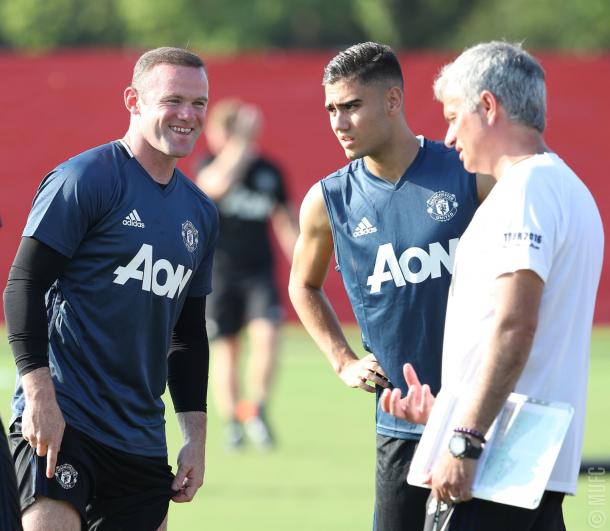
{"type": "Point", "coordinates": [522, 446]}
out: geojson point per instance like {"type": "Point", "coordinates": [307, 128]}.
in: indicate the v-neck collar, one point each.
{"type": "Point", "coordinates": [164, 190]}
{"type": "Point", "coordinates": [410, 169]}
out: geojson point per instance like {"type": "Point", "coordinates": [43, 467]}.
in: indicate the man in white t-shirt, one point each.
{"type": "Point", "coordinates": [526, 274]}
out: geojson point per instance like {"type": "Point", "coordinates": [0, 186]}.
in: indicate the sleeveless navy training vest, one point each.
{"type": "Point", "coordinates": [395, 246]}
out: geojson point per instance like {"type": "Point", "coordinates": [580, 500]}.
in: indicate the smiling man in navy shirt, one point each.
{"type": "Point", "coordinates": [119, 244]}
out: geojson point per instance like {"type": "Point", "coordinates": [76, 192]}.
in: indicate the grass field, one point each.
{"type": "Point", "coordinates": [321, 476]}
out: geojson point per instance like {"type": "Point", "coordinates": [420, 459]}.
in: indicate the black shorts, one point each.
{"type": "Point", "coordinates": [10, 515]}
{"type": "Point", "coordinates": [111, 489]}
{"type": "Point", "coordinates": [398, 505]}
{"type": "Point", "coordinates": [481, 515]}
{"type": "Point", "coordinates": [238, 299]}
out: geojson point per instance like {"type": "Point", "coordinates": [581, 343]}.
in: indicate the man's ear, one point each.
{"type": "Point", "coordinates": [489, 106]}
{"type": "Point", "coordinates": [132, 99]}
{"type": "Point", "coordinates": [394, 100]}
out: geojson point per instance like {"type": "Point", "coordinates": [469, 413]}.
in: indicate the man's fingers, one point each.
{"type": "Point", "coordinates": [411, 398]}
{"type": "Point", "coordinates": [416, 396]}
{"type": "Point", "coordinates": [427, 400]}
{"type": "Point", "coordinates": [51, 460]}
{"type": "Point", "coordinates": [410, 375]}
{"type": "Point", "coordinates": [365, 387]}
{"type": "Point", "coordinates": [395, 408]}
{"type": "Point", "coordinates": [372, 365]}
{"type": "Point", "coordinates": [190, 492]}
{"type": "Point", "coordinates": [378, 379]}
{"type": "Point", "coordinates": [183, 496]}
{"type": "Point", "coordinates": [41, 449]}
{"type": "Point", "coordinates": [384, 401]}
{"type": "Point", "coordinates": [178, 482]}
{"type": "Point", "coordinates": [179, 497]}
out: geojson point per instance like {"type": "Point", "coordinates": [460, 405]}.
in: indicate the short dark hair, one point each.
{"type": "Point", "coordinates": [367, 62]}
{"type": "Point", "coordinates": [164, 55]}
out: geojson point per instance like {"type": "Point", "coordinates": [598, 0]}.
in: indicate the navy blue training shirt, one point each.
{"type": "Point", "coordinates": [136, 251]}
{"type": "Point", "coordinates": [395, 246]}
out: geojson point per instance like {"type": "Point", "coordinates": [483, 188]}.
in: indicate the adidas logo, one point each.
{"type": "Point", "coordinates": [364, 228]}
{"type": "Point", "coordinates": [133, 220]}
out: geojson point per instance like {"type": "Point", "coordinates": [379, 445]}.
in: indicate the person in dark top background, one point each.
{"type": "Point", "coordinates": [249, 192]}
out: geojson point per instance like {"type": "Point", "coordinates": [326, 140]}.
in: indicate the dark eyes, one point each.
{"type": "Point", "coordinates": [177, 101]}
{"type": "Point", "coordinates": [344, 107]}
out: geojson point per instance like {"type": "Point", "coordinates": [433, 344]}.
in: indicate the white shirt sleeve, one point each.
{"type": "Point", "coordinates": [529, 223]}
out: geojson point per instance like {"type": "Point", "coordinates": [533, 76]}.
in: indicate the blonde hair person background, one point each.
{"type": "Point", "coordinates": [250, 192]}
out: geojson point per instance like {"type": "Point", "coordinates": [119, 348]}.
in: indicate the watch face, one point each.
{"type": "Point", "coordinates": [457, 445]}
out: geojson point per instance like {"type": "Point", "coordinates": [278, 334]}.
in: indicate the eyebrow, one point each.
{"type": "Point", "coordinates": [183, 97]}
{"type": "Point", "coordinates": [343, 105]}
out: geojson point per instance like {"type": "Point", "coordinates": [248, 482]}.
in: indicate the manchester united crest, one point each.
{"type": "Point", "coordinates": [442, 206]}
{"type": "Point", "coordinates": [66, 475]}
{"type": "Point", "coordinates": [190, 235]}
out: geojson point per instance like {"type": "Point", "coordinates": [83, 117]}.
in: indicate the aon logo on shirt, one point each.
{"type": "Point", "coordinates": [144, 269]}
{"type": "Point", "coordinates": [414, 265]}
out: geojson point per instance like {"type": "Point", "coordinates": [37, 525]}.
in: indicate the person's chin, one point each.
{"type": "Point", "coordinates": [352, 155]}
{"type": "Point", "coordinates": [181, 151]}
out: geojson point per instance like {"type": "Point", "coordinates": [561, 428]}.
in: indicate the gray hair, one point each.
{"type": "Point", "coordinates": [164, 55]}
{"type": "Point", "coordinates": [367, 62]}
{"type": "Point", "coordinates": [504, 69]}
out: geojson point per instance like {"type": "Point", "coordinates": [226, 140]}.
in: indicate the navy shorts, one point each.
{"type": "Point", "coordinates": [111, 489]}
{"type": "Point", "coordinates": [398, 505]}
{"type": "Point", "coordinates": [238, 299]}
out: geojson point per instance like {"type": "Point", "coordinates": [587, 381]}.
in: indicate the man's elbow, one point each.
{"type": "Point", "coordinates": [300, 292]}
{"type": "Point", "coordinates": [295, 290]}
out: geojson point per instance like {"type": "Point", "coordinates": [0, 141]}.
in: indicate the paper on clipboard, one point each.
{"type": "Point", "coordinates": [522, 446]}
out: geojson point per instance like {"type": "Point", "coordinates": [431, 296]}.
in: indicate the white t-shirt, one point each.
{"type": "Point", "coordinates": [540, 217]}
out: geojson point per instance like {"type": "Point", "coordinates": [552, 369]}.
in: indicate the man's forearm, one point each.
{"type": "Point", "coordinates": [38, 385]}
{"type": "Point", "coordinates": [498, 377]}
{"type": "Point", "coordinates": [322, 324]}
{"type": "Point", "coordinates": [193, 425]}
{"type": "Point", "coordinates": [518, 298]}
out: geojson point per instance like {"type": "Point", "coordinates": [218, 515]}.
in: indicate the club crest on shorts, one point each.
{"type": "Point", "coordinates": [190, 235]}
{"type": "Point", "coordinates": [66, 475]}
{"type": "Point", "coordinates": [442, 206]}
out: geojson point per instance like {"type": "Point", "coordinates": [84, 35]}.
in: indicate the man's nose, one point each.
{"type": "Point", "coordinates": [450, 137]}
{"type": "Point", "coordinates": [340, 122]}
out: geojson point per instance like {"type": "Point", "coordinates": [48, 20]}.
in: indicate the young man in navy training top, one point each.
{"type": "Point", "coordinates": [119, 244]}
{"type": "Point", "coordinates": [393, 217]}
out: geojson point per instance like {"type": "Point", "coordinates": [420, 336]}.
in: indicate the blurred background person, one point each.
{"type": "Point", "coordinates": [249, 192]}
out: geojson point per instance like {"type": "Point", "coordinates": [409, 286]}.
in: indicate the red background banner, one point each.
{"type": "Point", "coordinates": [54, 106]}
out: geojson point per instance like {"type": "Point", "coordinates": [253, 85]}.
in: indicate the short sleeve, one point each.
{"type": "Point", "coordinates": [66, 205]}
{"type": "Point", "coordinates": [202, 280]}
{"type": "Point", "coordinates": [528, 226]}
